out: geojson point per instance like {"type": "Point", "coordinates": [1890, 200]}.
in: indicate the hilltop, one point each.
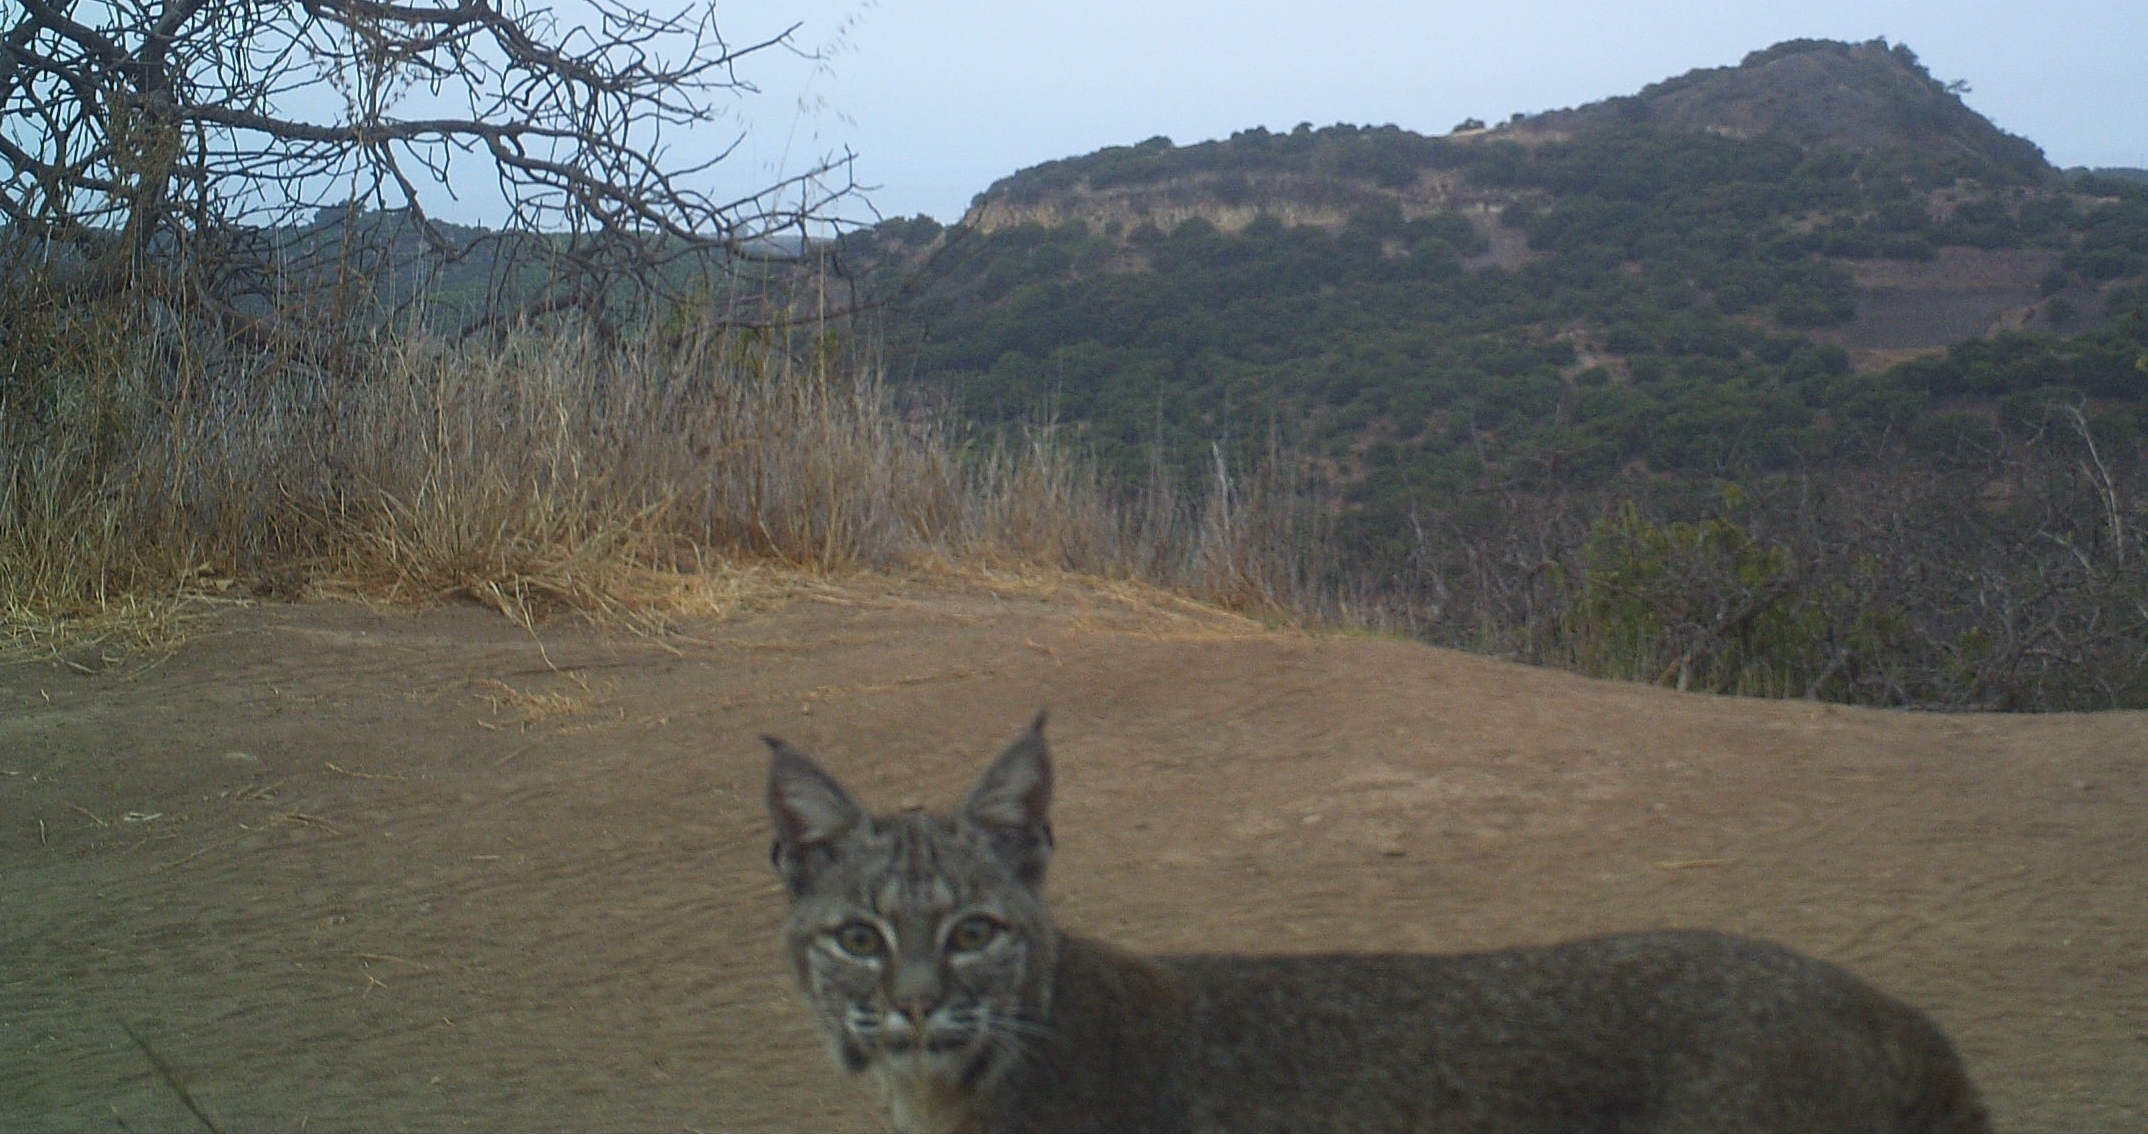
{"type": "Point", "coordinates": [1862, 98]}
{"type": "Point", "coordinates": [1870, 100]}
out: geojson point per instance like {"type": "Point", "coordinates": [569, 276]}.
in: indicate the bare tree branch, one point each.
{"type": "Point", "coordinates": [186, 146]}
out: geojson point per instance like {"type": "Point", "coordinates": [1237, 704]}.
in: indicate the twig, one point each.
{"type": "Point", "coordinates": [334, 767]}
{"type": "Point", "coordinates": [315, 821]}
{"type": "Point", "coordinates": [420, 966]}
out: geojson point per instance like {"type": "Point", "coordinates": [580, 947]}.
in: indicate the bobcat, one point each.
{"type": "Point", "coordinates": [926, 948]}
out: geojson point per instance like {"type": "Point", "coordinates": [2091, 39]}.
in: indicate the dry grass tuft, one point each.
{"type": "Point", "coordinates": [141, 478]}
{"type": "Point", "coordinates": [525, 708]}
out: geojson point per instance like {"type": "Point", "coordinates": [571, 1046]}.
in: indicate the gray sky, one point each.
{"type": "Point", "coordinates": [939, 98]}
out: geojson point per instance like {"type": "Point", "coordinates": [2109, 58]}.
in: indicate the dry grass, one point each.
{"type": "Point", "coordinates": [141, 477]}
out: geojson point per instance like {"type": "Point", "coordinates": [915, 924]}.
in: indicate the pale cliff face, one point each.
{"type": "Point", "coordinates": [1231, 202]}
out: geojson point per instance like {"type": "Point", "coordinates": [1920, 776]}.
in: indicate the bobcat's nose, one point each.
{"type": "Point", "coordinates": [928, 1026]}
{"type": "Point", "coordinates": [906, 1023]}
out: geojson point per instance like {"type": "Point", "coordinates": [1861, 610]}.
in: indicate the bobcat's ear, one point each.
{"type": "Point", "coordinates": [1012, 802]}
{"type": "Point", "coordinates": [810, 810]}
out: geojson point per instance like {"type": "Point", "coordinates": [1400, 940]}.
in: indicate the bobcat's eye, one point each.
{"type": "Point", "coordinates": [860, 940]}
{"type": "Point", "coordinates": [972, 934]}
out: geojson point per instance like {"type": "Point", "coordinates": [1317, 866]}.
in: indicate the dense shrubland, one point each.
{"type": "Point", "coordinates": [1630, 452]}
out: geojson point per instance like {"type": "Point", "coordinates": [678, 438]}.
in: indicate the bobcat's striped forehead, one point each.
{"type": "Point", "coordinates": [911, 862]}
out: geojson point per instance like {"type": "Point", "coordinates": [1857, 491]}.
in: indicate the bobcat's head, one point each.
{"type": "Point", "coordinates": [923, 941]}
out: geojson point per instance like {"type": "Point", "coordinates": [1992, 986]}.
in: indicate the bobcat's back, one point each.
{"type": "Point", "coordinates": [1684, 1031]}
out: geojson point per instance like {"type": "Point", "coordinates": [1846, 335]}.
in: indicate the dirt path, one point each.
{"type": "Point", "coordinates": [347, 870]}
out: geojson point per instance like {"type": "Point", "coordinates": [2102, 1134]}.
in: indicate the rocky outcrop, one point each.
{"type": "Point", "coordinates": [1231, 201]}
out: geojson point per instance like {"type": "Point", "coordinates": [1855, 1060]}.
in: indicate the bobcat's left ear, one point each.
{"type": "Point", "coordinates": [1012, 803]}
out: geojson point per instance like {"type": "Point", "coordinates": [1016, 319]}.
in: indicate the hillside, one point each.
{"type": "Point", "coordinates": [1833, 195]}
{"type": "Point", "coordinates": [1812, 300]}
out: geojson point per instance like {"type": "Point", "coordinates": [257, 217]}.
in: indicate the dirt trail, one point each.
{"type": "Point", "coordinates": [349, 870]}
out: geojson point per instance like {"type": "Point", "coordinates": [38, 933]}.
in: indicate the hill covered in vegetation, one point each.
{"type": "Point", "coordinates": [1612, 386]}
{"type": "Point", "coordinates": [1861, 98]}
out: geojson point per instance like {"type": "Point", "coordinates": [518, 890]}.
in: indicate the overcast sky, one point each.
{"type": "Point", "coordinates": [939, 98]}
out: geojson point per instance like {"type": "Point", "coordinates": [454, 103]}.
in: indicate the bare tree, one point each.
{"type": "Point", "coordinates": [243, 158]}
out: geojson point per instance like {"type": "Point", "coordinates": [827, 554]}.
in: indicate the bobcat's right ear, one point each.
{"type": "Point", "coordinates": [810, 810]}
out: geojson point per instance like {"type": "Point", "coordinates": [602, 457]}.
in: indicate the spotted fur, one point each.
{"type": "Point", "coordinates": [930, 957]}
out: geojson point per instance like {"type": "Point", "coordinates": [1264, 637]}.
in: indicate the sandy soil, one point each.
{"type": "Point", "coordinates": [349, 870]}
